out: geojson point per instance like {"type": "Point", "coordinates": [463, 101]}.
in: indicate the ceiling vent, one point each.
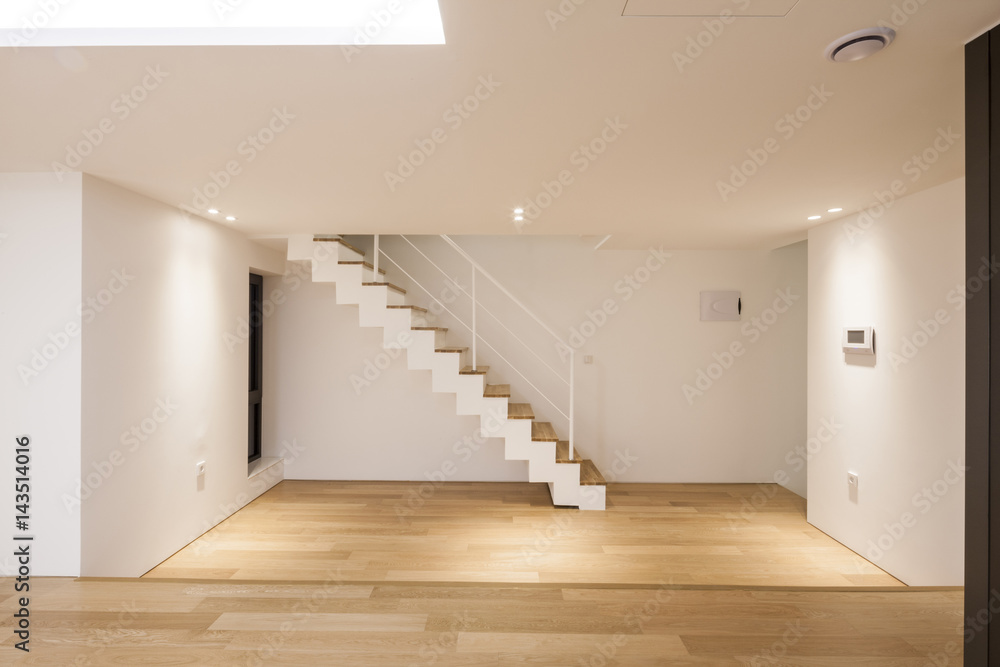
{"type": "Point", "coordinates": [860, 44]}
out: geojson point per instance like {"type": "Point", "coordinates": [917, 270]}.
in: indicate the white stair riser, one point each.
{"type": "Point", "coordinates": [372, 301]}
{"type": "Point", "coordinates": [302, 247]}
{"type": "Point", "coordinates": [395, 298]}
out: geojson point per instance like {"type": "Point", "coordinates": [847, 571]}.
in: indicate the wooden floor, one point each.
{"type": "Point", "coordinates": [477, 575]}
{"type": "Point", "coordinates": [651, 534]}
{"type": "Point", "coordinates": [147, 622]}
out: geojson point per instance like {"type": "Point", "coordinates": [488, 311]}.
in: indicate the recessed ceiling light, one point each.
{"type": "Point", "coordinates": [859, 44]}
{"type": "Point", "coordinates": [814, 217]}
{"type": "Point", "coordinates": [213, 211]}
{"type": "Point", "coordinates": [835, 210]}
{"type": "Point", "coordinates": [518, 211]}
{"type": "Point", "coordinates": [231, 218]}
{"type": "Point", "coordinates": [518, 218]}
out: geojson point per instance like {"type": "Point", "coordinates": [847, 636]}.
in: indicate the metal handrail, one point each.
{"type": "Point", "coordinates": [477, 268]}
{"type": "Point", "coordinates": [462, 322]}
{"type": "Point", "coordinates": [558, 374]}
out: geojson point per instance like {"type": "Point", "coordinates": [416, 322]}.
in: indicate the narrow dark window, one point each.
{"type": "Point", "coordinates": [256, 319]}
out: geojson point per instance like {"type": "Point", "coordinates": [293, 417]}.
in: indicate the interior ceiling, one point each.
{"type": "Point", "coordinates": [561, 77]}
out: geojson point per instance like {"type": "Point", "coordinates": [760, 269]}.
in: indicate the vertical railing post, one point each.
{"type": "Point", "coordinates": [375, 263]}
{"type": "Point", "coordinates": [572, 396]}
{"type": "Point", "coordinates": [475, 333]}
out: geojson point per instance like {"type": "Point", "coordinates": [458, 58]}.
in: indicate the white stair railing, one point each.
{"type": "Point", "coordinates": [569, 415]}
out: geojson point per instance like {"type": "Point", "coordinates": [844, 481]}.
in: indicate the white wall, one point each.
{"type": "Point", "coordinates": [630, 401]}
{"type": "Point", "coordinates": [40, 267]}
{"type": "Point", "coordinates": [157, 359]}
{"type": "Point", "coordinates": [899, 422]}
{"type": "Point", "coordinates": [330, 427]}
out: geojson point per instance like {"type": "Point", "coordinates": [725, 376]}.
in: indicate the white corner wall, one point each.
{"type": "Point", "coordinates": [898, 424]}
{"type": "Point", "coordinates": [634, 418]}
{"type": "Point", "coordinates": [40, 266]}
{"type": "Point", "coordinates": [164, 378]}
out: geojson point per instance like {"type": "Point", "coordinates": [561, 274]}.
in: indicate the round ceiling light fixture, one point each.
{"type": "Point", "coordinates": [860, 44]}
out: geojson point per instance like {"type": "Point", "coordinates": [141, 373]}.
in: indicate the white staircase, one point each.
{"type": "Point", "coordinates": [573, 483]}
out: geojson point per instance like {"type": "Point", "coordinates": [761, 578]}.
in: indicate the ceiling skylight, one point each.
{"type": "Point", "coordinates": [219, 22]}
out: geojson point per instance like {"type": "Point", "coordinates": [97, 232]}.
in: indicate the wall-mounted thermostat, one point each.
{"type": "Point", "coordinates": [721, 306]}
{"type": "Point", "coordinates": [859, 340]}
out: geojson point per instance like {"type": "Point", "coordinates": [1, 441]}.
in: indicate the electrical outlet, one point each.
{"type": "Point", "coordinates": [588, 358]}
{"type": "Point", "coordinates": [200, 467]}
{"type": "Point", "coordinates": [852, 479]}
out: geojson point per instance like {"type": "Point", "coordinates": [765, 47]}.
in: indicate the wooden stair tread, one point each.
{"type": "Point", "coordinates": [467, 370]}
{"type": "Point", "coordinates": [590, 475]}
{"type": "Point", "coordinates": [340, 241]}
{"type": "Point", "coordinates": [562, 453]}
{"type": "Point", "coordinates": [395, 288]}
{"type": "Point", "coordinates": [520, 411]}
{"type": "Point", "coordinates": [445, 329]}
{"type": "Point", "coordinates": [364, 264]}
{"type": "Point", "coordinates": [451, 350]}
{"type": "Point", "coordinates": [416, 308]}
{"type": "Point", "coordinates": [543, 432]}
{"type": "Point", "coordinates": [497, 391]}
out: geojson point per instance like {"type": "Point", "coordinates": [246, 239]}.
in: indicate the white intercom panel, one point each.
{"type": "Point", "coordinates": [859, 340]}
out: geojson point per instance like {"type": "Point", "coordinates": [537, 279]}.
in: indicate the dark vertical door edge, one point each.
{"type": "Point", "coordinates": [981, 539]}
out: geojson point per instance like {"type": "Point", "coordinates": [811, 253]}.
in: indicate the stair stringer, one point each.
{"type": "Point", "coordinates": [563, 479]}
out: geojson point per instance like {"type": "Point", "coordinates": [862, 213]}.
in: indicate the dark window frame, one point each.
{"type": "Point", "coordinates": [255, 373]}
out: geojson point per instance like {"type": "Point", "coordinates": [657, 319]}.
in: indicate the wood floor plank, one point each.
{"type": "Point", "coordinates": [320, 622]}
{"type": "Point", "coordinates": [536, 643]}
